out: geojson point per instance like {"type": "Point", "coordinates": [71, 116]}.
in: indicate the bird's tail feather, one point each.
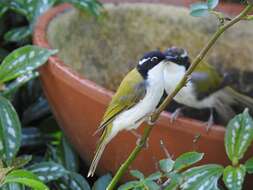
{"type": "Point", "coordinates": [224, 110]}
{"type": "Point", "coordinates": [100, 149]}
{"type": "Point", "coordinates": [243, 99]}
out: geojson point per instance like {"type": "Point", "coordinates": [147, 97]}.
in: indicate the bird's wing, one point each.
{"type": "Point", "coordinates": [206, 80]}
{"type": "Point", "coordinates": [131, 90]}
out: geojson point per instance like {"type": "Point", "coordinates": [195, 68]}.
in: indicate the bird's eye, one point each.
{"type": "Point", "coordinates": [154, 58]}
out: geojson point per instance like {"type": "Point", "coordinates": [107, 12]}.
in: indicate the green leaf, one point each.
{"type": "Point", "coordinates": [249, 17]}
{"type": "Point", "coordinates": [250, 2]}
{"type": "Point", "coordinates": [68, 155]}
{"type": "Point", "coordinates": [35, 8]}
{"type": "Point", "coordinates": [72, 181]}
{"type": "Point", "coordinates": [19, 6]}
{"type": "Point", "coordinates": [199, 9]}
{"type": "Point", "coordinates": [176, 180]}
{"type": "Point", "coordinates": [152, 185]}
{"type": "Point", "coordinates": [3, 53]}
{"type": "Point", "coordinates": [137, 174]}
{"type": "Point", "coordinates": [166, 165]}
{"type": "Point", "coordinates": [91, 6]}
{"type": "Point", "coordinates": [3, 10]}
{"type": "Point", "coordinates": [154, 176]}
{"type": "Point", "coordinates": [47, 171]}
{"type": "Point", "coordinates": [186, 160]}
{"type": "Point", "coordinates": [12, 87]}
{"type": "Point", "coordinates": [39, 7]}
{"type": "Point", "coordinates": [10, 131]}
{"type": "Point", "coordinates": [32, 136]}
{"type": "Point", "coordinates": [129, 185]}
{"type": "Point", "coordinates": [22, 61]}
{"type": "Point", "coordinates": [249, 165]}
{"type": "Point", "coordinates": [38, 110]}
{"type": "Point", "coordinates": [17, 34]}
{"type": "Point", "coordinates": [3, 173]}
{"type": "Point", "coordinates": [13, 186]}
{"type": "Point", "coordinates": [202, 177]}
{"type": "Point", "coordinates": [212, 3]}
{"type": "Point", "coordinates": [234, 177]}
{"type": "Point", "coordinates": [26, 178]}
{"type": "Point", "coordinates": [21, 161]}
{"type": "Point", "coordinates": [102, 182]}
{"type": "Point", "coordinates": [31, 9]}
{"type": "Point", "coordinates": [52, 154]}
{"type": "Point", "coordinates": [239, 135]}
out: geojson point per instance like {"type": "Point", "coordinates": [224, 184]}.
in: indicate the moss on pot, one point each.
{"type": "Point", "coordinates": [105, 50]}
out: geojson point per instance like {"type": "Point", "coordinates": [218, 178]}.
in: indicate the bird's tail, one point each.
{"type": "Point", "coordinates": [238, 97]}
{"type": "Point", "coordinates": [100, 149]}
{"type": "Point", "coordinates": [227, 97]}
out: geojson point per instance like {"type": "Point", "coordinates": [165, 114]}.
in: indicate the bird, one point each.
{"type": "Point", "coordinates": [136, 98]}
{"type": "Point", "coordinates": [206, 87]}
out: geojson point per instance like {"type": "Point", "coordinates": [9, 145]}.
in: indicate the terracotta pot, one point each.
{"type": "Point", "coordinates": [79, 104]}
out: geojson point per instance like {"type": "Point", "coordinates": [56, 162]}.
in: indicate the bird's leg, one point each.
{"type": "Point", "coordinates": [134, 132]}
{"type": "Point", "coordinates": [149, 119]}
{"type": "Point", "coordinates": [138, 142]}
{"type": "Point", "coordinates": [176, 114]}
{"type": "Point", "coordinates": [210, 121]}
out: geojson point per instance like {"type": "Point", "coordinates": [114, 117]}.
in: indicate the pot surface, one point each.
{"type": "Point", "coordinates": [105, 50]}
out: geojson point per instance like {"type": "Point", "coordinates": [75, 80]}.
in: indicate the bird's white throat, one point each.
{"type": "Point", "coordinates": [173, 74]}
{"type": "Point", "coordinates": [132, 118]}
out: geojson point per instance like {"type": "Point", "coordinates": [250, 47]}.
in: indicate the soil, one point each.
{"type": "Point", "coordinates": [105, 49]}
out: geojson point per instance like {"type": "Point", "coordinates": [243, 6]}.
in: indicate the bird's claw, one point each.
{"type": "Point", "coordinates": [150, 120]}
{"type": "Point", "coordinates": [210, 122]}
{"type": "Point", "coordinates": [175, 114]}
{"type": "Point", "coordinates": [134, 132]}
{"type": "Point", "coordinates": [188, 79]}
{"type": "Point", "coordinates": [145, 144]}
{"type": "Point", "coordinates": [138, 141]}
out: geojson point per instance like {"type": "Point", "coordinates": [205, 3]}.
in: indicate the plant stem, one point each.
{"type": "Point", "coordinates": [169, 98]}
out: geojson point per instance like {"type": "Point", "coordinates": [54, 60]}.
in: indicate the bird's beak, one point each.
{"type": "Point", "coordinates": [169, 58]}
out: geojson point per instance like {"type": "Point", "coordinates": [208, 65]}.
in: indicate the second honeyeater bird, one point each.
{"type": "Point", "coordinates": [206, 88]}
{"type": "Point", "coordinates": [136, 98]}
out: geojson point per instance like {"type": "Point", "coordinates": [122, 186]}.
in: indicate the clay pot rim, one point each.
{"type": "Point", "coordinates": [80, 83]}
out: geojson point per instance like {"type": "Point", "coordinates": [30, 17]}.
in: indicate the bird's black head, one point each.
{"type": "Point", "coordinates": [148, 61]}
{"type": "Point", "coordinates": [178, 56]}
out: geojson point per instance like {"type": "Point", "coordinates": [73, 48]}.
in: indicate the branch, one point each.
{"type": "Point", "coordinates": [248, 17]}
{"type": "Point", "coordinates": [123, 168]}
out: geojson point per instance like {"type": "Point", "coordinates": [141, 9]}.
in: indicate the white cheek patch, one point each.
{"type": "Point", "coordinates": [143, 61]}
{"type": "Point", "coordinates": [153, 58]}
{"type": "Point", "coordinates": [185, 54]}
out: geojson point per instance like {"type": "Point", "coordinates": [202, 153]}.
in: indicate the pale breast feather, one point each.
{"type": "Point", "coordinates": [131, 90]}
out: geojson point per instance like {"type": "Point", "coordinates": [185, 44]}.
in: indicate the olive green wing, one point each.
{"type": "Point", "coordinates": [206, 80]}
{"type": "Point", "coordinates": [131, 90]}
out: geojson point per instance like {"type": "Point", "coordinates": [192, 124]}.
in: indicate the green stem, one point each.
{"type": "Point", "coordinates": [249, 17]}
{"type": "Point", "coordinates": [169, 98]}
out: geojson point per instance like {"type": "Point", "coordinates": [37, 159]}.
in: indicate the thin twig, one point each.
{"type": "Point", "coordinates": [166, 152]}
{"type": "Point", "coordinates": [123, 168]}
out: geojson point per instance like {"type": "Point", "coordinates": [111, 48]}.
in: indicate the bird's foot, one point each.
{"type": "Point", "coordinates": [150, 120]}
{"type": "Point", "coordinates": [189, 78]}
{"type": "Point", "coordinates": [134, 132]}
{"type": "Point", "coordinates": [210, 122]}
{"type": "Point", "coordinates": [137, 135]}
{"type": "Point", "coordinates": [176, 114]}
{"type": "Point", "coordinates": [146, 144]}
{"type": "Point", "coordinates": [138, 141]}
